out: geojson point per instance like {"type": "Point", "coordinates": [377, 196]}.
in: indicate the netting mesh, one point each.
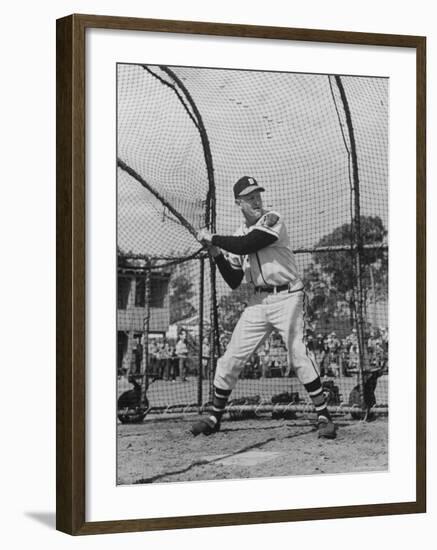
{"type": "Point", "coordinates": [290, 132]}
{"type": "Point", "coordinates": [158, 140]}
{"type": "Point", "coordinates": [368, 100]}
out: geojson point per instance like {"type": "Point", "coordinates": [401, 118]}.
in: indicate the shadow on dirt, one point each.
{"type": "Point", "coordinates": [198, 463]}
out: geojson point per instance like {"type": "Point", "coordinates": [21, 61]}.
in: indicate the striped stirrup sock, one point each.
{"type": "Point", "coordinates": [219, 401]}
{"type": "Point", "coordinates": [315, 391]}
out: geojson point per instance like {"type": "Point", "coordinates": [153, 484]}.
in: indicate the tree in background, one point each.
{"type": "Point", "coordinates": [329, 280]}
{"type": "Point", "coordinates": [326, 306]}
{"type": "Point", "coordinates": [340, 265]}
{"type": "Point", "coordinates": [181, 293]}
{"type": "Point", "coordinates": [232, 305]}
{"type": "Point", "coordinates": [332, 276]}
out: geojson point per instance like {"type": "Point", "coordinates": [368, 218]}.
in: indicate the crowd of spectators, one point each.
{"type": "Point", "coordinates": [177, 359]}
{"type": "Point", "coordinates": [168, 359]}
{"type": "Point", "coordinates": [339, 356]}
{"type": "Point", "coordinates": [335, 356]}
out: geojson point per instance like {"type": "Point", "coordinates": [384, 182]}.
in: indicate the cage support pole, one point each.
{"type": "Point", "coordinates": [357, 238]}
{"type": "Point", "coordinates": [210, 215]}
{"type": "Point", "coordinates": [205, 144]}
{"type": "Point", "coordinates": [146, 330]}
{"type": "Point", "coordinates": [201, 293]}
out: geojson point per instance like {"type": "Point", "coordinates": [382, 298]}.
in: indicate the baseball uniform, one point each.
{"type": "Point", "coordinates": [261, 253]}
{"type": "Point", "coordinates": [277, 303]}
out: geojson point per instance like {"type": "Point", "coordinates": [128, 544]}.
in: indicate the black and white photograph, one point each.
{"type": "Point", "coordinates": [218, 280]}
{"type": "Point", "coordinates": [252, 274]}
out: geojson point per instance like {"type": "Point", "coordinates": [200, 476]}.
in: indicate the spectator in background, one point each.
{"type": "Point", "coordinates": [372, 343]}
{"type": "Point", "coordinates": [277, 352]}
{"type": "Point", "coordinates": [153, 359]}
{"type": "Point", "coordinates": [318, 345]}
{"type": "Point", "coordinates": [384, 338]}
{"type": "Point", "coordinates": [182, 353]}
{"type": "Point", "coordinates": [319, 351]}
{"type": "Point", "coordinates": [164, 360]}
{"type": "Point", "coordinates": [173, 364]}
{"type": "Point", "coordinates": [138, 354]}
{"type": "Point", "coordinates": [279, 366]}
{"type": "Point", "coordinates": [224, 341]}
{"type": "Point", "coordinates": [384, 344]}
{"type": "Point", "coordinates": [158, 371]}
{"type": "Point", "coordinates": [264, 359]}
{"type": "Point", "coordinates": [333, 344]}
{"type": "Point", "coordinates": [310, 342]}
{"type": "Point", "coordinates": [336, 344]}
{"type": "Point", "coordinates": [352, 340]}
{"type": "Point", "coordinates": [205, 358]}
{"type": "Point", "coordinates": [325, 356]}
{"type": "Point", "coordinates": [252, 367]}
{"type": "Point", "coordinates": [344, 356]}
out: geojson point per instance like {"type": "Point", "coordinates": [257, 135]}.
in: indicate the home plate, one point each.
{"type": "Point", "coordinates": [251, 458]}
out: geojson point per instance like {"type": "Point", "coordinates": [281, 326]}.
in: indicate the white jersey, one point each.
{"type": "Point", "coordinates": [274, 265]}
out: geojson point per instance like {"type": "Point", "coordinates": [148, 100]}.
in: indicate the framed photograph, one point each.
{"type": "Point", "coordinates": [240, 274]}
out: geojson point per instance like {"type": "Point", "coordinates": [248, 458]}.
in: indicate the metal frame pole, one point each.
{"type": "Point", "coordinates": [357, 238]}
{"type": "Point", "coordinates": [146, 326]}
{"type": "Point", "coordinates": [201, 292]}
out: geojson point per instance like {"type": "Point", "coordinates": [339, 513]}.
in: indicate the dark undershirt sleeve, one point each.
{"type": "Point", "coordinates": [246, 244]}
{"type": "Point", "coordinates": [233, 277]}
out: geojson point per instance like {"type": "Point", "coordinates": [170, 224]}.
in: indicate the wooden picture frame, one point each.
{"type": "Point", "coordinates": [71, 287]}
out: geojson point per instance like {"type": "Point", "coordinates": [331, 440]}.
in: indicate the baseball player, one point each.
{"type": "Point", "coordinates": [260, 253]}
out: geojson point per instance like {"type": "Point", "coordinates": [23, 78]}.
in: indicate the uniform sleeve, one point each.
{"type": "Point", "coordinates": [270, 223]}
{"type": "Point", "coordinates": [245, 244]}
{"type": "Point", "coordinates": [235, 261]}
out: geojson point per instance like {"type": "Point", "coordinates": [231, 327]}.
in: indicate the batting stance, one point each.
{"type": "Point", "coordinates": [260, 252]}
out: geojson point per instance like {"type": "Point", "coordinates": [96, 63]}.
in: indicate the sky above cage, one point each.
{"type": "Point", "coordinates": [286, 130]}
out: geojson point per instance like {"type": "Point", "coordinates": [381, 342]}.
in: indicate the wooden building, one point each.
{"type": "Point", "coordinates": [131, 312]}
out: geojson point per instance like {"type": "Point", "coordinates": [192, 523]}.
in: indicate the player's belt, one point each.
{"type": "Point", "coordinates": [275, 289]}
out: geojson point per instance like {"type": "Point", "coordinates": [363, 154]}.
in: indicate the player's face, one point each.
{"type": "Point", "coordinates": [251, 206]}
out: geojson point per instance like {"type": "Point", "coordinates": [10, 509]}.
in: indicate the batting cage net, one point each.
{"type": "Point", "coordinates": [319, 146]}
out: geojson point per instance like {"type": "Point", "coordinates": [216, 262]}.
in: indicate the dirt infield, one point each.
{"type": "Point", "coordinates": [162, 450]}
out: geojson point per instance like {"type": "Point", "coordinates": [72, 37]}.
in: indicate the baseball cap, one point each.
{"type": "Point", "coordinates": [246, 185]}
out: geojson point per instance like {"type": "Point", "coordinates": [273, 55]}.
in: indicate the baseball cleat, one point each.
{"type": "Point", "coordinates": [206, 426]}
{"type": "Point", "coordinates": [327, 428]}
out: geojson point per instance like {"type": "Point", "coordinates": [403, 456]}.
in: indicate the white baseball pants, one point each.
{"type": "Point", "coordinates": [284, 312]}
